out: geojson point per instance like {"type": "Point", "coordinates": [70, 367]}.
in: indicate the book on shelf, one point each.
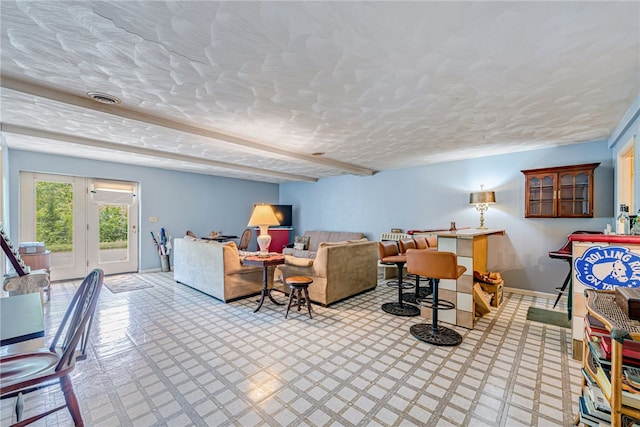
{"type": "Point", "coordinates": [594, 327]}
{"type": "Point", "coordinates": [586, 418]}
{"type": "Point", "coordinates": [630, 348]}
{"type": "Point", "coordinates": [595, 393]}
{"type": "Point", "coordinates": [592, 411]}
{"type": "Point", "coordinates": [629, 398]}
{"type": "Point", "coordinates": [604, 359]}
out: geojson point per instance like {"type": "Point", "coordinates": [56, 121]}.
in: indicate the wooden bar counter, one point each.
{"type": "Point", "coordinates": [600, 261]}
{"type": "Point", "coordinates": [471, 247]}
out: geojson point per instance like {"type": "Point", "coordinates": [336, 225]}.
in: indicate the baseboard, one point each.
{"type": "Point", "coordinates": [529, 293]}
{"type": "Point", "coordinates": [150, 270]}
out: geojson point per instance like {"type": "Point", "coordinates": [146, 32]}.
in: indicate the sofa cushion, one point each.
{"type": "Point", "coordinates": [298, 262]}
{"type": "Point", "coordinates": [317, 237]}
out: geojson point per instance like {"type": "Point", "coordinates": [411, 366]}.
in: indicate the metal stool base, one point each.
{"type": "Point", "coordinates": [423, 292]}
{"type": "Point", "coordinates": [441, 336]}
{"type": "Point", "coordinates": [397, 309]}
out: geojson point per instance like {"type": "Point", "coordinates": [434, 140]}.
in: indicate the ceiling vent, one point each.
{"type": "Point", "coordinates": [103, 98]}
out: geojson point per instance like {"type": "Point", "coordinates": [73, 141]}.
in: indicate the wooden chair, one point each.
{"type": "Point", "coordinates": [245, 239]}
{"type": "Point", "coordinates": [26, 372]}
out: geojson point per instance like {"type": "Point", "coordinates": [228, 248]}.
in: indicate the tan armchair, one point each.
{"type": "Point", "coordinates": [339, 270]}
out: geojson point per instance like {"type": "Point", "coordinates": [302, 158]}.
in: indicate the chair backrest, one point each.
{"type": "Point", "coordinates": [245, 239]}
{"type": "Point", "coordinates": [406, 244]}
{"type": "Point", "coordinates": [421, 242]}
{"type": "Point", "coordinates": [77, 321]}
{"type": "Point", "coordinates": [387, 248]}
{"type": "Point", "coordinates": [432, 241]}
{"type": "Point", "coordinates": [434, 264]}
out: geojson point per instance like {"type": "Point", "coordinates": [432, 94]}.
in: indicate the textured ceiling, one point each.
{"type": "Point", "coordinates": [252, 89]}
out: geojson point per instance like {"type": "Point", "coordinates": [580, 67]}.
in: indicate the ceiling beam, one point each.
{"type": "Point", "coordinates": [39, 133]}
{"type": "Point", "coordinates": [19, 85]}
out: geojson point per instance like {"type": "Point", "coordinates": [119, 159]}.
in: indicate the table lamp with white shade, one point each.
{"type": "Point", "coordinates": [263, 216]}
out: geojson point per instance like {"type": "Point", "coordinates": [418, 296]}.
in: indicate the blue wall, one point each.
{"type": "Point", "coordinates": [417, 198]}
{"type": "Point", "coordinates": [180, 200]}
{"type": "Point", "coordinates": [432, 196]}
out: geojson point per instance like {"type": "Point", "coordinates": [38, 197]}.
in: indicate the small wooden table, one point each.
{"type": "Point", "coordinates": [265, 263]}
{"type": "Point", "coordinates": [20, 318]}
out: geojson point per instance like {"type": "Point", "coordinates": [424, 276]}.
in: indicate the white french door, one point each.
{"type": "Point", "coordinates": [86, 223]}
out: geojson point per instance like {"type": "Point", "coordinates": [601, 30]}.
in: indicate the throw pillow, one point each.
{"type": "Point", "coordinates": [298, 262]}
{"type": "Point", "coordinates": [298, 246]}
{"type": "Point", "coordinates": [304, 240]}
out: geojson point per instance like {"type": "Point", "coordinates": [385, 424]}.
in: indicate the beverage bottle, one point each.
{"type": "Point", "coordinates": [622, 221]}
{"type": "Point", "coordinates": [635, 224]}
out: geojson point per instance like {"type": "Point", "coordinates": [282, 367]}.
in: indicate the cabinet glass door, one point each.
{"type": "Point", "coordinates": [541, 202]}
{"type": "Point", "coordinates": [574, 195]}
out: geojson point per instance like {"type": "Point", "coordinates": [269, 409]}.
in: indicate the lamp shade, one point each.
{"type": "Point", "coordinates": [486, 197]}
{"type": "Point", "coordinates": [262, 215]}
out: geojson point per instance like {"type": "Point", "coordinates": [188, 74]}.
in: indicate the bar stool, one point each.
{"type": "Point", "coordinates": [421, 292]}
{"type": "Point", "coordinates": [437, 265]}
{"type": "Point", "coordinates": [565, 253]}
{"type": "Point", "coordinates": [298, 285]}
{"type": "Point", "coordinates": [388, 252]}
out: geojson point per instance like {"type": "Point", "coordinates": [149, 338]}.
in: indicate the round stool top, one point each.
{"type": "Point", "coordinates": [298, 280]}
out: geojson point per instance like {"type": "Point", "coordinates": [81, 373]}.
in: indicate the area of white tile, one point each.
{"type": "Point", "coordinates": [169, 355]}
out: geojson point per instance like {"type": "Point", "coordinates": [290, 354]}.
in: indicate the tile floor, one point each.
{"type": "Point", "coordinates": [168, 355]}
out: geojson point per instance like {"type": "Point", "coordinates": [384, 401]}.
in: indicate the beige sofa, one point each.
{"type": "Point", "coordinates": [339, 270]}
{"type": "Point", "coordinates": [316, 237]}
{"type": "Point", "coordinates": [215, 269]}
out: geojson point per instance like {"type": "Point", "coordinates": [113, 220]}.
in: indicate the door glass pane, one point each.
{"type": "Point", "coordinates": [114, 232]}
{"type": "Point", "coordinates": [54, 220]}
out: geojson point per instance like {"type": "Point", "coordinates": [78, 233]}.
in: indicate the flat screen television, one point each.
{"type": "Point", "coordinates": [284, 213]}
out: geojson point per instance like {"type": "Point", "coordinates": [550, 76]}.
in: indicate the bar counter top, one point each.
{"type": "Point", "coordinates": [605, 238]}
{"type": "Point", "coordinates": [467, 233]}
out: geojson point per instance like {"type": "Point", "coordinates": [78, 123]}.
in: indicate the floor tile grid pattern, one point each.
{"type": "Point", "coordinates": [170, 355]}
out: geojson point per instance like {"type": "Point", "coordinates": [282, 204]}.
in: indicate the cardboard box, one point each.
{"type": "Point", "coordinates": [495, 291]}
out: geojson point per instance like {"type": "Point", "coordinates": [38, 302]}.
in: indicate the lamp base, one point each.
{"type": "Point", "coordinates": [264, 240]}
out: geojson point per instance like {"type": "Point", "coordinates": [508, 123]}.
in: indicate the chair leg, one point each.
{"type": "Point", "coordinates": [308, 301]}
{"type": "Point", "coordinates": [71, 400]}
{"type": "Point", "coordinates": [562, 289]}
{"type": "Point", "coordinates": [291, 291]}
{"type": "Point", "coordinates": [19, 407]}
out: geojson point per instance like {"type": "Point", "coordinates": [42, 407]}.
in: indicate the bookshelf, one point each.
{"type": "Point", "coordinates": [607, 372]}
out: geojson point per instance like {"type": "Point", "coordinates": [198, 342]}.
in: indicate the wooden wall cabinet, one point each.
{"type": "Point", "coordinates": [559, 192]}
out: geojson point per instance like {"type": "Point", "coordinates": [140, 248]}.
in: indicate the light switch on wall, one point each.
{"type": "Point", "coordinates": [153, 219]}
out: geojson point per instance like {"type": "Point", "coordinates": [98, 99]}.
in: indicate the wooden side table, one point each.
{"type": "Point", "coordinates": [265, 263]}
